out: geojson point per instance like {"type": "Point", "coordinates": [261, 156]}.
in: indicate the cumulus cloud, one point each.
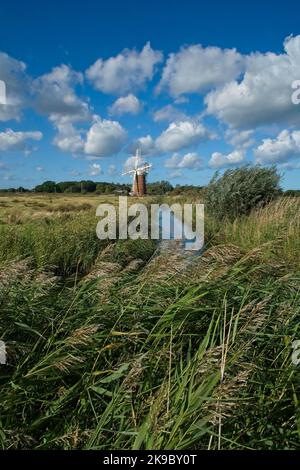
{"type": "Point", "coordinates": [263, 96]}
{"type": "Point", "coordinates": [180, 135]}
{"type": "Point", "coordinates": [189, 161]}
{"type": "Point", "coordinates": [195, 69]}
{"type": "Point", "coordinates": [145, 144]}
{"type": "Point", "coordinates": [286, 146]}
{"type": "Point", "coordinates": [17, 83]}
{"type": "Point", "coordinates": [95, 169]}
{"type": "Point", "coordinates": [55, 96]}
{"type": "Point", "coordinates": [129, 104]}
{"type": "Point", "coordinates": [11, 140]}
{"type": "Point", "coordinates": [105, 138]}
{"type": "Point", "coordinates": [240, 139]}
{"type": "Point", "coordinates": [173, 161]}
{"type": "Point", "coordinates": [220, 160]}
{"type": "Point", "coordinates": [52, 94]}
{"type": "Point", "coordinates": [69, 139]}
{"type": "Point", "coordinates": [169, 113]}
{"type": "Point", "coordinates": [125, 72]}
{"type": "Point", "coordinates": [131, 162]}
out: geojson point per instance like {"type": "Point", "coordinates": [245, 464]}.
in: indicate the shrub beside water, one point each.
{"type": "Point", "coordinates": [237, 192]}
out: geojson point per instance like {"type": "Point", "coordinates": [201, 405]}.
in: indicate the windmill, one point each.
{"type": "Point", "coordinates": [139, 175]}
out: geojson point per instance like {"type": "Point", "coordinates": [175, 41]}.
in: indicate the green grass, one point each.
{"type": "Point", "coordinates": [108, 354]}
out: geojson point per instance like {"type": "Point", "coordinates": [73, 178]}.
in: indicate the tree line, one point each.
{"type": "Point", "coordinates": [88, 186]}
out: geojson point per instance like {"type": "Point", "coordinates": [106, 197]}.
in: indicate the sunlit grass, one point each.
{"type": "Point", "coordinates": [110, 347]}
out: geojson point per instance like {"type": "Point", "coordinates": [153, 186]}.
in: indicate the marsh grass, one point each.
{"type": "Point", "coordinates": [167, 355]}
{"type": "Point", "coordinates": [276, 226]}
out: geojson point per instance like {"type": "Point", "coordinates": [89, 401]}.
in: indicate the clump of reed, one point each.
{"type": "Point", "coordinates": [160, 365]}
{"type": "Point", "coordinates": [166, 355]}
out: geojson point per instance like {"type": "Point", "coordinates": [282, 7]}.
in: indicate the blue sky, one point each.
{"type": "Point", "coordinates": [198, 86]}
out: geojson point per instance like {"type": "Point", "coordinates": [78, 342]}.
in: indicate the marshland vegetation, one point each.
{"type": "Point", "coordinates": [110, 346]}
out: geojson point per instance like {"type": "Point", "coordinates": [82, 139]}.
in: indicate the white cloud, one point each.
{"type": "Point", "coordinates": [169, 113]}
{"type": "Point", "coordinates": [285, 147]}
{"type": "Point", "coordinates": [102, 139]}
{"type": "Point", "coordinates": [240, 139]}
{"type": "Point", "coordinates": [112, 170]}
{"type": "Point", "coordinates": [52, 94]}
{"type": "Point", "coordinates": [131, 162]}
{"type": "Point", "coordinates": [125, 72]}
{"type": "Point", "coordinates": [177, 136]}
{"type": "Point", "coordinates": [69, 139]}
{"type": "Point", "coordinates": [129, 104]}
{"type": "Point", "coordinates": [175, 174]}
{"type": "Point", "coordinates": [195, 69]}
{"type": "Point", "coordinates": [40, 168]}
{"type": "Point", "coordinates": [264, 94]}
{"type": "Point", "coordinates": [180, 135]}
{"type": "Point", "coordinates": [290, 166]}
{"type": "Point", "coordinates": [146, 144]}
{"type": "Point", "coordinates": [189, 161]}
{"type": "Point", "coordinates": [173, 161]}
{"type": "Point", "coordinates": [105, 138]}
{"type": "Point", "coordinates": [13, 74]}
{"type": "Point", "coordinates": [2, 92]}
{"type": "Point", "coordinates": [55, 96]}
{"type": "Point", "coordinates": [95, 169]}
{"type": "Point", "coordinates": [11, 140]}
{"type": "Point", "coordinates": [220, 160]}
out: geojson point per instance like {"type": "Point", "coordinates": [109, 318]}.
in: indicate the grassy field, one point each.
{"type": "Point", "coordinates": [116, 346]}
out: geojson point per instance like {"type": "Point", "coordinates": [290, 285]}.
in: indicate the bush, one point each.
{"type": "Point", "coordinates": [292, 193]}
{"type": "Point", "coordinates": [237, 192]}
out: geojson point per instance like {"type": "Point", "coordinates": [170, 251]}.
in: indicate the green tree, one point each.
{"type": "Point", "coordinates": [47, 187]}
{"type": "Point", "coordinates": [159, 187]}
{"type": "Point", "coordinates": [238, 191]}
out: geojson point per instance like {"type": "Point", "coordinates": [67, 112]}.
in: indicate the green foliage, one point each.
{"type": "Point", "coordinates": [47, 187]}
{"type": "Point", "coordinates": [179, 354]}
{"type": "Point", "coordinates": [69, 187]}
{"type": "Point", "coordinates": [108, 188]}
{"type": "Point", "coordinates": [292, 193]}
{"type": "Point", "coordinates": [159, 188]}
{"type": "Point", "coordinates": [67, 243]}
{"type": "Point", "coordinates": [237, 192]}
{"type": "Point", "coordinates": [135, 363]}
{"type": "Point", "coordinates": [188, 190]}
{"type": "Point", "coordinates": [125, 250]}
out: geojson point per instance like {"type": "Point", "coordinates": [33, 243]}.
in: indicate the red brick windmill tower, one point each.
{"type": "Point", "coordinates": [140, 171]}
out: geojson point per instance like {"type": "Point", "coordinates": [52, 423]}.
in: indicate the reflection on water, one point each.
{"type": "Point", "coordinates": [180, 234]}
